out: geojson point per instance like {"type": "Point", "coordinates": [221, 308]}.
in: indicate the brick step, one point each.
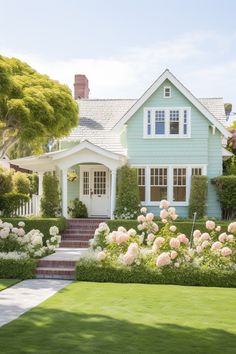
{"type": "Point", "coordinates": [55, 273]}
{"type": "Point", "coordinates": [56, 263]}
{"type": "Point", "coordinates": [83, 227]}
{"type": "Point", "coordinates": [77, 231]}
{"type": "Point", "coordinates": [85, 221]}
{"type": "Point", "coordinates": [77, 237]}
{"type": "Point", "coordinates": [69, 243]}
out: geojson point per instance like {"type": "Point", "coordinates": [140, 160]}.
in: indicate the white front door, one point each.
{"type": "Point", "coordinates": [95, 190]}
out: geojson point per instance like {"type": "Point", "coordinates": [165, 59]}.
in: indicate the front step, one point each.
{"type": "Point", "coordinates": [72, 243]}
{"type": "Point", "coordinates": [55, 273]}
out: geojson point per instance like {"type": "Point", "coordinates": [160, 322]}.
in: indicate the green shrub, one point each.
{"type": "Point", "coordinates": [6, 184]}
{"type": "Point", "coordinates": [128, 200]}
{"type": "Point", "coordinates": [93, 271]}
{"type": "Point", "coordinates": [184, 227]}
{"type": "Point", "coordinates": [21, 183]}
{"type": "Point", "coordinates": [50, 202]}
{"type": "Point", "coordinates": [21, 269]}
{"type": "Point", "coordinates": [10, 202]}
{"type": "Point", "coordinates": [42, 224]}
{"type": "Point", "coordinates": [226, 190]}
{"type": "Point", "coordinates": [78, 209]}
{"type": "Point", "coordinates": [33, 178]}
{"type": "Point", "coordinates": [198, 196]}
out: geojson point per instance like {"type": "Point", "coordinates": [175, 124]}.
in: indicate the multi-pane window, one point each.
{"type": "Point", "coordinates": [159, 122]}
{"type": "Point", "coordinates": [85, 183]}
{"type": "Point", "coordinates": [197, 171]}
{"type": "Point", "coordinates": [185, 124]}
{"type": "Point", "coordinates": [174, 122]}
{"type": "Point", "coordinates": [99, 182]}
{"type": "Point", "coordinates": [158, 184]}
{"type": "Point", "coordinates": [149, 123]}
{"type": "Point", "coordinates": [179, 184]}
{"type": "Point", "coordinates": [167, 92]}
{"type": "Point", "coordinates": [141, 183]}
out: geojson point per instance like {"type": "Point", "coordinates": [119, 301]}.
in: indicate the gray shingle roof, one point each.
{"type": "Point", "coordinates": [98, 117]}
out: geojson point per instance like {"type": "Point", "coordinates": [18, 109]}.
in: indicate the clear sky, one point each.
{"type": "Point", "coordinates": [123, 46]}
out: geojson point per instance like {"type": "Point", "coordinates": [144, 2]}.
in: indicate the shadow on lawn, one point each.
{"type": "Point", "coordinates": [50, 331]}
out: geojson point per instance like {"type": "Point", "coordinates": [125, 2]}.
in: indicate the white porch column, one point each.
{"type": "Point", "coordinates": [40, 191]}
{"type": "Point", "coordinates": [64, 193]}
{"type": "Point", "coordinates": [113, 192]}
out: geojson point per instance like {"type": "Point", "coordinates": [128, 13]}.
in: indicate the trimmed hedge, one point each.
{"type": "Point", "coordinates": [226, 190]}
{"type": "Point", "coordinates": [42, 224]}
{"type": "Point", "coordinates": [92, 271]}
{"type": "Point", "coordinates": [198, 196]}
{"type": "Point", "coordinates": [21, 269]}
{"type": "Point", "coordinates": [184, 227]}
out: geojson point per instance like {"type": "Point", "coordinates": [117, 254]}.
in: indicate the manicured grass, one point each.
{"type": "Point", "coordinates": [5, 283]}
{"type": "Point", "coordinates": [127, 318]}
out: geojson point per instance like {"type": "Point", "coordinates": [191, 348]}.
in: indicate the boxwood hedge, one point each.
{"type": "Point", "coordinates": [93, 271]}
{"type": "Point", "coordinates": [184, 227]}
{"type": "Point", "coordinates": [20, 269]}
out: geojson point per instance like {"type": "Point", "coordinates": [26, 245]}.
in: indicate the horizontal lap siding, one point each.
{"type": "Point", "coordinates": [201, 148]}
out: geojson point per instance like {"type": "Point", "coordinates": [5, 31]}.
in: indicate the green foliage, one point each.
{"type": "Point", "coordinates": [230, 166]}
{"type": "Point", "coordinates": [21, 183]}
{"type": "Point", "coordinates": [198, 196]}
{"type": "Point", "coordinates": [33, 178]}
{"type": "Point", "coordinates": [21, 269]}
{"type": "Point", "coordinates": [226, 190]}
{"type": "Point", "coordinates": [10, 202]}
{"type": "Point", "coordinates": [93, 271]}
{"type": "Point", "coordinates": [128, 200]}
{"type": "Point", "coordinates": [6, 183]}
{"type": "Point", "coordinates": [184, 227]}
{"type": "Point", "coordinates": [42, 224]}
{"type": "Point", "coordinates": [77, 209]}
{"type": "Point", "coordinates": [33, 108]}
{"type": "Point", "coordinates": [50, 202]}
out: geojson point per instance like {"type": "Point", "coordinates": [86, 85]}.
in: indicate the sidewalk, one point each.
{"type": "Point", "coordinates": [22, 297]}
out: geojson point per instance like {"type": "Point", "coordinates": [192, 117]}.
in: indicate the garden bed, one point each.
{"type": "Point", "coordinates": [41, 224]}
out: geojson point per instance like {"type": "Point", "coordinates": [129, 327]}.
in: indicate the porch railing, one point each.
{"type": "Point", "coordinates": [29, 208]}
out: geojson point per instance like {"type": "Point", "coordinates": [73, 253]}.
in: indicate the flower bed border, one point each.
{"type": "Point", "coordinates": [96, 272]}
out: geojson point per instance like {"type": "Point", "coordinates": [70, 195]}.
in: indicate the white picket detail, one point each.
{"type": "Point", "coordinates": [29, 208]}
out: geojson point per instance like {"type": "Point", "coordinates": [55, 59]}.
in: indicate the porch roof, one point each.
{"type": "Point", "coordinates": [62, 158]}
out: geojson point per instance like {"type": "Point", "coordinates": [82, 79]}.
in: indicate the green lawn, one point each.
{"type": "Point", "coordinates": [5, 283]}
{"type": "Point", "coordinates": [123, 318]}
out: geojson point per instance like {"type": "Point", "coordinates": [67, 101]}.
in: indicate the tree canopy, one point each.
{"type": "Point", "coordinates": [33, 108]}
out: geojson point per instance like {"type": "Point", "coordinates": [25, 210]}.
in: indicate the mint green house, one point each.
{"type": "Point", "coordinates": [167, 134]}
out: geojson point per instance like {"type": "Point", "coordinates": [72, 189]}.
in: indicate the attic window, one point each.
{"type": "Point", "coordinates": [167, 92]}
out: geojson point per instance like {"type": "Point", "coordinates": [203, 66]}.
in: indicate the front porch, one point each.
{"type": "Point", "coordinates": [95, 170]}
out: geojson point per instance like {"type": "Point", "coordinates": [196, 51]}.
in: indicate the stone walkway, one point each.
{"type": "Point", "coordinates": [22, 297]}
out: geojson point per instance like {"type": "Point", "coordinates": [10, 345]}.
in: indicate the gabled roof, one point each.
{"type": "Point", "coordinates": [167, 75]}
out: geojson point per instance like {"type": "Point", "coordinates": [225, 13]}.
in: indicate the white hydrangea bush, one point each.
{"type": "Point", "coordinates": [155, 247]}
{"type": "Point", "coordinates": [15, 243]}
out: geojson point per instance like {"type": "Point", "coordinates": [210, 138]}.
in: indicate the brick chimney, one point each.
{"type": "Point", "coordinates": [81, 87]}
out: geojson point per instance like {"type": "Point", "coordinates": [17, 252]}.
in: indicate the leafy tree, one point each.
{"type": "Point", "coordinates": [6, 183]}
{"type": "Point", "coordinates": [198, 196]}
{"type": "Point", "coordinates": [21, 183]}
{"type": "Point", "coordinates": [33, 108]}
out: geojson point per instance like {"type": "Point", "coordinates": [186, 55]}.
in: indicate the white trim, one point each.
{"type": "Point", "coordinates": [170, 168]}
{"type": "Point", "coordinates": [167, 75]}
{"type": "Point", "coordinates": [167, 134]}
{"type": "Point", "coordinates": [164, 92]}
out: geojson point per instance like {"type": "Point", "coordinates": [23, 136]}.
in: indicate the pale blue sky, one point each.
{"type": "Point", "coordinates": [122, 46]}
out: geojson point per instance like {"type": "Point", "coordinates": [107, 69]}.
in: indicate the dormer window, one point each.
{"type": "Point", "coordinates": [167, 92]}
{"type": "Point", "coordinates": [167, 122]}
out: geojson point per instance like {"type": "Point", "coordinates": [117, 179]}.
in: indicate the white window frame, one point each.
{"type": "Point", "coordinates": [164, 92]}
{"type": "Point", "coordinates": [170, 185]}
{"type": "Point", "coordinates": [167, 134]}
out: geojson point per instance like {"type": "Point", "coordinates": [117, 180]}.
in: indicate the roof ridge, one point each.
{"type": "Point", "coordinates": [210, 98]}
{"type": "Point", "coordinates": [107, 99]}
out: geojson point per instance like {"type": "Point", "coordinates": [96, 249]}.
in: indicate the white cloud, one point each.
{"type": "Point", "coordinates": [200, 60]}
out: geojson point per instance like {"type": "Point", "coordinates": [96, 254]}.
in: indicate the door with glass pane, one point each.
{"type": "Point", "coordinates": [99, 192]}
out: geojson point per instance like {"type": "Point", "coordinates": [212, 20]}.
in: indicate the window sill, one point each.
{"type": "Point", "coordinates": [157, 204]}
{"type": "Point", "coordinates": [166, 137]}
